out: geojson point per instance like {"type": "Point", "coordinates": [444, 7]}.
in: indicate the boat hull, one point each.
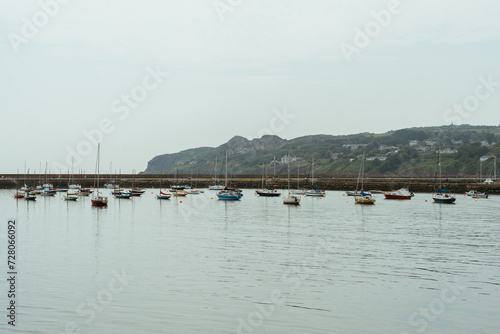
{"type": "Point", "coordinates": [292, 200]}
{"type": "Point", "coordinates": [101, 201]}
{"type": "Point", "coordinates": [444, 200]}
{"type": "Point", "coordinates": [316, 193]}
{"type": "Point", "coordinates": [229, 197]}
{"type": "Point", "coordinates": [353, 193]}
{"type": "Point", "coordinates": [162, 197]}
{"type": "Point", "coordinates": [122, 196]}
{"type": "Point", "coordinates": [390, 196]}
{"type": "Point", "coordinates": [267, 193]}
{"type": "Point", "coordinates": [364, 200]}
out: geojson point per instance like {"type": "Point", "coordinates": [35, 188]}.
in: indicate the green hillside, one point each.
{"type": "Point", "coordinates": [407, 152]}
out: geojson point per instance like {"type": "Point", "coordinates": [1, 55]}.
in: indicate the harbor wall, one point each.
{"type": "Point", "coordinates": [424, 185]}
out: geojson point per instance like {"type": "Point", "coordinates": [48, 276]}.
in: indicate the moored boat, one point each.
{"type": "Point", "coordinates": [229, 194]}
{"type": "Point", "coordinates": [290, 199]}
{"type": "Point", "coordinates": [316, 193]}
{"type": "Point", "coordinates": [123, 195]}
{"type": "Point", "coordinates": [267, 192]}
{"type": "Point", "coordinates": [363, 197]}
{"type": "Point", "coordinates": [402, 193]}
{"type": "Point", "coordinates": [71, 197]}
{"type": "Point", "coordinates": [97, 199]}
{"type": "Point", "coordinates": [163, 195]}
{"type": "Point", "coordinates": [441, 195]}
{"type": "Point", "coordinates": [19, 194]}
{"type": "Point", "coordinates": [29, 197]}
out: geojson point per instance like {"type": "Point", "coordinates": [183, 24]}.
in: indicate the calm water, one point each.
{"type": "Point", "coordinates": [255, 266]}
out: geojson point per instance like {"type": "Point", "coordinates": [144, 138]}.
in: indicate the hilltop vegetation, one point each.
{"type": "Point", "coordinates": [407, 152]}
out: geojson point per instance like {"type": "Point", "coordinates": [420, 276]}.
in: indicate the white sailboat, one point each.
{"type": "Point", "coordinates": [290, 198]}
{"type": "Point", "coordinates": [314, 192]}
{"type": "Point", "coordinates": [216, 186]}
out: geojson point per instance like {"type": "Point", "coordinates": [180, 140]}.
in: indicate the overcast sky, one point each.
{"type": "Point", "coordinates": [161, 76]}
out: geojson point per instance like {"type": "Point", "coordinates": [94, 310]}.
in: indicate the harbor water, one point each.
{"type": "Point", "coordinates": [196, 264]}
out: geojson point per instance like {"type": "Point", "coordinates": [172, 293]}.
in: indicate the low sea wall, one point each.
{"type": "Point", "coordinates": [424, 185]}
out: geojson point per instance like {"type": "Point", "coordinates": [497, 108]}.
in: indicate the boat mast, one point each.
{"type": "Point", "coordinates": [274, 167]}
{"type": "Point", "coordinates": [263, 168]}
{"type": "Point", "coordinates": [288, 172]}
{"type": "Point", "coordinates": [69, 179]}
{"type": "Point", "coordinates": [312, 174]}
{"type": "Point", "coordinates": [440, 178]}
{"type": "Point", "coordinates": [480, 169]}
{"type": "Point", "coordinates": [495, 169]}
{"type": "Point", "coordinates": [298, 175]}
{"type": "Point", "coordinates": [98, 154]}
{"type": "Point", "coordinates": [362, 170]}
{"type": "Point", "coordinates": [215, 170]}
{"type": "Point", "coordinates": [226, 169]}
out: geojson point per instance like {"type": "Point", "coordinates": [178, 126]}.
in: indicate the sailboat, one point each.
{"type": "Point", "coordinates": [363, 197]}
{"type": "Point", "coordinates": [441, 195]}
{"type": "Point", "coordinates": [216, 186]}
{"type": "Point", "coordinates": [355, 192]}
{"type": "Point", "coordinates": [121, 193]}
{"type": "Point", "coordinates": [97, 198]}
{"type": "Point", "coordinates": [298, 191]}
{"type": "Point", "coordinates": [290, 198]}
{"type": "Point", "coordinates": [265, 191]}
{"type": "Point", "coordinates": [135, 191]}
{"type": "Point", "coordinates": [314, 192]}
{"type": "Point", "coordinates": [71, 196]}
{"type": "Point", "coordinates": [163, 195]}
{"type": "Point", "coordinates": [229, 194]}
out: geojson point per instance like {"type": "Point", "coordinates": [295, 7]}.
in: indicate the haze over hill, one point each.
{"type": "Point", "coordinates": [405, 152]}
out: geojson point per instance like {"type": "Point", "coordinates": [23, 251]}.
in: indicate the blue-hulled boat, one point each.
{"type": "Point", "coordinates": [229, 194]}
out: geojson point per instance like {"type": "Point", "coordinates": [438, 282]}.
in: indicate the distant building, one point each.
{"type": "Point", "coordinates": [422, 149]}
{"type": "Point", "coordinates": [285, 160]}
{"type": "Point", "coordinates": [354, 146]}
{"type": "Point", "coordinates": [457, 142]}
{"type": "Point", "coordinates": [385, 147]}
{"type": "Point", "coordinates": [430, 143]}
{"type": "Point", "coordinates": [413, 142]}
{"type": "Point", "coordinates": [448, 151]}
{"type": "Point", "coordinates": [485, 143]}
{"type": "Point", "coordinates": [376, 158]}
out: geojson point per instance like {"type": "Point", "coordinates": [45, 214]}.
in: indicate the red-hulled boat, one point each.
{"type": "Point", "coordinates": [99, 201]}
{"type": "Point", "coordinates": [402, 193]}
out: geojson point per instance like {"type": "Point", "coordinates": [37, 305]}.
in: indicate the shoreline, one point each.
{"type": "Point", "coordinates": [416, 185]}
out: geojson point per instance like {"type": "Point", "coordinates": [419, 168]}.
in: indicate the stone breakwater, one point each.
{"type": "Point", "coordinates": [423, 185]}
